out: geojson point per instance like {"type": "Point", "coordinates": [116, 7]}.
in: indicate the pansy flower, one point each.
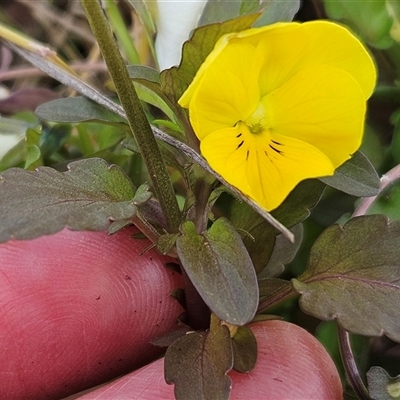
{"type": "Point", "coordinates": [275, 105]}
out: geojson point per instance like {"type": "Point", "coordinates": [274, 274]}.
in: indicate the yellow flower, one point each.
{"type": "Point", "coordinates": [275, 105]}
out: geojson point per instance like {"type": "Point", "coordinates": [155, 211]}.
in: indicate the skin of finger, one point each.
{"type": "Point", "coordinates": [78, 309]}
{"type": "Point", "coordinates": [291, 364]}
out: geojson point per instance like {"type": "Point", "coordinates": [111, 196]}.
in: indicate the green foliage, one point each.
{"type": "Point", "coordinates": [197, 364]}
{"type": "Point", "coordinates": [88, 196]}
{"type": "Point", "coordinates": [356, 176]}
{"type": "Point", "coordinates": [371, 20]}
{"type": "Point", "coordinates": [233, 256]}
{"type": "Point", "coordinates": [381, 386]}
{"type": "Point", "coordinates": [221, 270]}
{"type": "Point", "coordinates": [352, 276]}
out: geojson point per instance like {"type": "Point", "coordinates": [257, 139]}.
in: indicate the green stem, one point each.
{"type": "Point", "coordinates": [119, 27]}
{"type": "Point", "coordinates": [136, 117]}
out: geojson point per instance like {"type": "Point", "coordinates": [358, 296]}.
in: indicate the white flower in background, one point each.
{"type": "Point", "coordinates": [175, 20]}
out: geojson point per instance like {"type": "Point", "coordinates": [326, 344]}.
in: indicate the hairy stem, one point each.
{"type": "Point", "coordinates": [135, 115]}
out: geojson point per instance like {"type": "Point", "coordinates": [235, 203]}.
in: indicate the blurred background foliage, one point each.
{"type": "Point", "coordinates": [28, 142]}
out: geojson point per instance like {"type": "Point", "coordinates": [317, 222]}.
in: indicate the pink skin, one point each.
{"type": "Point", "coordinates": [291, 364]}
{"type": "Point", "coordinates": [79, 308]}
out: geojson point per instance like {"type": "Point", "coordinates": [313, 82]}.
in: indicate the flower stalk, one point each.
{"type": "Point", "coordinates": [135, 115]}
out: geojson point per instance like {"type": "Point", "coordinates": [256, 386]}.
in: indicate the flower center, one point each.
{"type": "Point", "coordinates": [258, 121]}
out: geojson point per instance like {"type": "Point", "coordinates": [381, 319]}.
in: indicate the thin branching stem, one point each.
{"type": "Point", "coordinates": [350, 365]}
{"type": "Point", "coordinates": [135, 115]}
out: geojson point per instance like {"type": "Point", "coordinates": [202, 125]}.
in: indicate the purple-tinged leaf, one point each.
{"type": "Point", "coordinates": [353, 275]}
{"type": "Point", "coordinates": [88, 196]}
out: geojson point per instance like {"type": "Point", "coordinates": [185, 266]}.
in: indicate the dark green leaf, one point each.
{"type": "Point", "coordinates": [268, 286]}
{"type": "Point", "coordinates": [257, 234]}
{"type": "Point", "coordinates": [381, 385]}
{"type": "Point", "coordinates": [220, 268]}
{"type": "Point", "coordinates": [166, 242]}
{"type": "Point", "coordinates": [388, 203]}
{"type": "Point", "coordinates": [76, 109]}
{"type": "Point", "coordinates": [353, 276]}
{"type": "Point", "coordinates": [197, 364]}
{"type": "Point", "coordinates": [369, 19]}
{"type": "Point", "coordinates": [284, 252]}
{"type": "Point", "coordinates": [54, 138]}
{"type": "Point", "coordinates": [296, 208]}
{"type": "Point", "coordinates": [86, 197]}
{"type": "Point", "coordinates": [356, 176]}
{"type": "Point", "coordinates": [273, 10]}
{"type": "Point", "coordinates": [244, 346]}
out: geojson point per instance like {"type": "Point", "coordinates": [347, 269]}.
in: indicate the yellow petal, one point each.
{"type": "Point", "coordinates": [291, 46]}
{"type": "Point", "coordinates": [227, 92]}
{"type": "Point", "coordinates": [274, 171]}
{"type": "Point", "coordinates": [322, 106]}
{"type": "Point", "coordinates": [265, 171]}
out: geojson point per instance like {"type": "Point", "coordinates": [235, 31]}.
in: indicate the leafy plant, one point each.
{"type": "Point", "coordinates": [185, 167]}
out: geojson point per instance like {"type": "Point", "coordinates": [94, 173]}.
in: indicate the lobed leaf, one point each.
{"type": "Point", "coordinates": [88, 196]}
{"type": "Point", "coordinates": [381, 386]}
{"type": "Point", "coordinates": [353, 275]}
{"type": "Point", "coordinates": [221, 270]}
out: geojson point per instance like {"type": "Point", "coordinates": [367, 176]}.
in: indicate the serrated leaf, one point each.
{"type": "Point", "coordinates": [244, 346]}
{"type": "Point", "coordinates": [221, 270]}
{"type": "Point", "coordinates": [197, 364]}
{"type": "Point", "coordinates": [296, 207]}
{"type": "Point", "coordinates": [76, 109]}
{"type": "Point", "coordinates": [356, 176]}
{"type": "Point", "coordinates": [175, 80]}
{"type": "Point", "coordinates": [381, 386]}
{"type": "Point", "coordinates": [88, 196]}
{"type": "Point", "coordinates": [353, 276]}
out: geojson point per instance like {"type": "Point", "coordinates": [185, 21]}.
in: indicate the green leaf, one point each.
{"type": "Point", "coordinates": [257, 234]}
{"type": "Point", "coordinates": [244, 346]}
{"type": "Point", "coordinates": [221, 270]}
{"type": "Point", "coordinates": [353, 276]}
{"type": "Point", "coordinates": [296, 208]}
{"type": "Point", "coordinates": [283, 253]}
{"type": "Point", "coordinates": [388, 203]}
{"type": "Point", "coordinates": [370, 19]}
{"type": "Point", "coordinates": [77, 109]}
{"type": "Point", "coordinates": [381, 386]}
{"type": "Point", "coordinates": [88, 196]}
{"type": "Point", "coordinates": [356, 176]}
{"type": "Point", "coordinates": [198, 362]}
{"type": "Point", "coordinates": [272, 10]}
{"type": "Point", "coordinates": [174, 81]}
{"type": "Point", "coordinates": [268, 286]}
